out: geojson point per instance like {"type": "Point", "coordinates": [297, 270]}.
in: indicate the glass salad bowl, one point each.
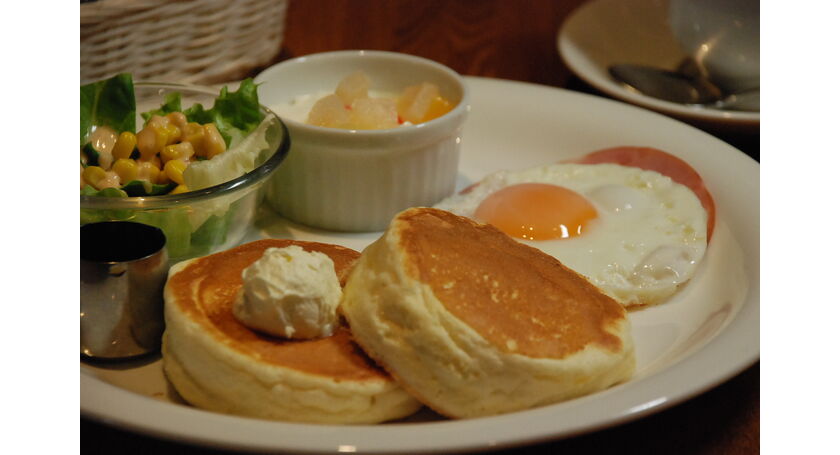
{"type": "Point", "coordinates": [217, 216]}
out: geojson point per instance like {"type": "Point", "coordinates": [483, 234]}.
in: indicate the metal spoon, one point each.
{"type": "Point", "coordinates": [686, 85]}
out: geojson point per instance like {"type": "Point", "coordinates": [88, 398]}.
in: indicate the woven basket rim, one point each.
{"type": "Point", "coordinates": [194, 41]}
{"type": "Point", "coordinates": [99, 10]}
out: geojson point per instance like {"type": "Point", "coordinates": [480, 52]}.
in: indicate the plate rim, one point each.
{"type": "Point", "coordinates": [95, 394]}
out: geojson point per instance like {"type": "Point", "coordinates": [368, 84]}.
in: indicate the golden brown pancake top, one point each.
{"type": "Point", "coordinates": [517, 297]}
{"type": "Point", "coordinates": [215, 280]}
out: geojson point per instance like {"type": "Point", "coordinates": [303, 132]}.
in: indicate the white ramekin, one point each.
{"type": "Point", "coordinates": [357, 180]}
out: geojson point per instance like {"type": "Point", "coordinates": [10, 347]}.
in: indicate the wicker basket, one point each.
{"type": "Point", "coordinates": [188, 41]}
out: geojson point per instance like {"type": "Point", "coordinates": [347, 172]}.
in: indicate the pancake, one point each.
{"type": "Point", "coordinates": [473, 323]}
{"type": "Point", "coordinates": [216, 363]}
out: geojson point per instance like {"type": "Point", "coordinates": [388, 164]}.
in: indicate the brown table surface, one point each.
{"type": "Point", "coordinates": [507, 39]}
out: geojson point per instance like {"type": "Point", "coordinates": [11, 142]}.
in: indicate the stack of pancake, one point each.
{"type": "Point", "coordinates": [216, 363]}
{"type": "Point", "coordinates": [462, 318]}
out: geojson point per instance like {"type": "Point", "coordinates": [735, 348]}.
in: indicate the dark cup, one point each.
{"type": "Point", "coordinates": [124, 266]}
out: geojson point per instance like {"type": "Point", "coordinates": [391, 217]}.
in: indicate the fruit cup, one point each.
{"type": "Point", "coordinates": [353, 179]}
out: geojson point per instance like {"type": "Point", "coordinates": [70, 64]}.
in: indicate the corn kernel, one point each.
{"type": "Point", "coordinates": [106, 160]}
{"type": "Point", "coordinates": [162, 178]}
{"type": "Point", "coordinates": [179, 189]}
{"type": "Point", "coordinates": [93, 174]}
{"type": "Point", "coordinates": [170, 152]}
{"type": "Point", "coordinates": [178, 119]}
{"type": "Point", "coordinates": [173, 133]}
{"type": "Point", "coordinates": [157, 121]}
{"type": "Point", "coordinates": [149, 143]}
{"type": "Point", "coordinates": [157, 133]}
{"type": "Point", "coordinates": [174, 169]}
{"type": "Point", "coordinates": [182, 151]}
{"type": "Point", "coordinates": [187, 151]}
{"type": "Point", "coordinates": [168, 132]}
{"type": "Point", "coordinates": [103, 138]}
{"type": "Point", "coordinates": [110, 180]}
{"type": "Point", "coordinates": [214, 143]}
{"type": "Point", "coordinates": [194, 134]}
{"type": "Point", "coordinates": [146, 170]}
{"type": "Point", "coordinates": [126, 168]}
{"type": "Point", "coordinates": [125, 145]}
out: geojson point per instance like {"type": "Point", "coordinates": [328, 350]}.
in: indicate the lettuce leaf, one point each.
{"type": "Point", "coordinates": [108, 103]}
{"type": "Point", "coordinates": [107, 192]}
{"type": "Point", "coordinates": [133, 188]}
{"type": "Point", "coordinates": [235, 114]}
{"type": "Point", "coordinates": [171, 103]}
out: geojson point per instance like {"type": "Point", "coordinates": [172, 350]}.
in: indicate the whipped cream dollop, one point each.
{"type": "Point", "coordinates": [289, 292]}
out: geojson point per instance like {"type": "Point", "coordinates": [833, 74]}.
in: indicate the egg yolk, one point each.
{"type": "Point", "coordinates": [537, 211]}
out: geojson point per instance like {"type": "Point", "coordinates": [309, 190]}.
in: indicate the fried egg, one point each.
{"type": "Point", "coordinates": [634, 233]}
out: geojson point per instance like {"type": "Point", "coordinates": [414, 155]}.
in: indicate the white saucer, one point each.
{"type": "Point", "coordinates": [605, 32]}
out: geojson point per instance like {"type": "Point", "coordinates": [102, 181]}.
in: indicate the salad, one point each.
{"type": "Point", "coordinates": [116, 161]}
{"type": "Point", "coordinates": [169, 150]}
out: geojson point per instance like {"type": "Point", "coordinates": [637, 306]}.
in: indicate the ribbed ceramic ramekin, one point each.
{"type": "Point", "coordinates": [357, 180]}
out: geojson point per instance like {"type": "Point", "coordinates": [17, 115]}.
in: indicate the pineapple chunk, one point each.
{"type": "Point", "coordinates": [330, 112]}
{"type": "Point", "coordinates": [416, 101]}
{"type": "Point", "coordinates": [440, 106]}
{"type": "Point", "coordinates": [373, 114]}
{"type": "Point", "coordinates": [351, 107]}
{"type": "Point", "coordinates": [353, 87]}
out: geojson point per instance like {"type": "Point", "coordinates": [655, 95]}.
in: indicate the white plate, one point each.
{"type": "Point", "coordinates": [706, 334]}
{"type": "Point", "coordinates": [604, 32]}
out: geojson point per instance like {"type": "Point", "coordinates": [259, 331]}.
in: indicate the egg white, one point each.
{"type": "Point", "coordinates": [648, 239]}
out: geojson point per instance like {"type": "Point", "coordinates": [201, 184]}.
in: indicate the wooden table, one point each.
{"type": "Point", "coordinates": [511, 40]}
